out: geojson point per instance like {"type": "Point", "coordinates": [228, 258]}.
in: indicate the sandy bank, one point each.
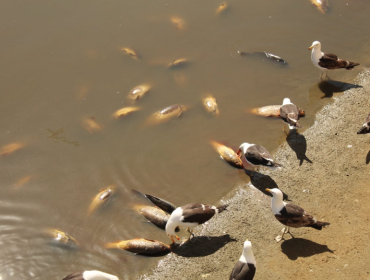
{"type": "Point", "coordinates": [332, 186]}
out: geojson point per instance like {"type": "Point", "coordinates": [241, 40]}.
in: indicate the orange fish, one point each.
{"type": "Point", "coordinates": [11, 148]}
{"type": "Point", "coordinates": [130, 52]}
{"type": "Point", "coordinates": [101, 198]}
{"type": "Point", "coordinates": [91, 125]}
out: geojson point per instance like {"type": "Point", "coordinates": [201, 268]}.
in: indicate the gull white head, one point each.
{"type": "Point", "coordinates": [277, 202]}
{"type": "Point", "coordinates": [172, 223]}
{"type": "Point", "coordinates": [98, 275]}
{"type": "Point", "coordinates": [315, 45]}
{"type": "Point", "coordinates": [243, 147]}
{"type": "Point", "coordinates": [247, 255]}
{"type": "Point", "coordinates": [286, 101]}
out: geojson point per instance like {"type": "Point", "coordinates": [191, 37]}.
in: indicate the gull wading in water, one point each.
{"type": "Point", "coordinates": [289, 114]}
{"type": "Point", "coordinates": [245, 268]}
{"type": "Point", "coordinates": [291, 215]}
{"type": "Point", "coordinates": [256, 155]}
{"type": "Point", "coordinates": [328, 61]}
{"type": "Point", "coordinates": [190, 216]}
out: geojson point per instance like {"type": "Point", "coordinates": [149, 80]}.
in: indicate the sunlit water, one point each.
{"type": "Point", "coordinates": [62, 63]}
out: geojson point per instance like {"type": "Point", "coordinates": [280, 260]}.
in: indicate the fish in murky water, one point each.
{"type": "Point", "coordinates": [228, 154]}
{"type": "Point", "coordinates": [130, 52]}
{"type": "Point", "coordinates": [210, 104]}
{"type": "Point", "coordinates": [222, 7]}
{"type": "Point", "coordinates": [62, 237]}
{"type": "Point", "coordinates": [91, 125]}
{"type": "Point", "coordinates": [178, 63]}
{"type": "Point", "coordinates": [125, 111]}
{"type": "Point", "coordinates": [269, 56]}
{"type": "Point", "coordinates": [178, 22]}
{"type": "Point", "coordinates": [167, 113]}
{"type": "Point", "coordinates": [22, 181]}
{"type": "Point", "coordinates": [101, 198]}
{"type": "Point", "coordinates": [155, 215]}
{"type": "Point", "coordinates": [273, 111]}
{"type": "Point", "coordinates": [138, 92]}
{"type": "Point", "coordinates": [141, 246]}
{"type": "Point", "coordinates": [322, 5]}
{"type": "Point", "coordinates": [11, 148]}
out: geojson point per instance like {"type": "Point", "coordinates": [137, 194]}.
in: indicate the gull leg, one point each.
{"type": "Point", "coordinates": [280, 237]}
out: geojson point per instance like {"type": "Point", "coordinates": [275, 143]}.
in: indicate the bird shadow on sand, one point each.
{"type": "Point", "coordinates": [302, 248]}
{"type": "Point", "coordinates": [298, 144]}
{"type": "Point", "coordinates": [262, 182]}
{"type": "Point", "coordinates": [329, 87]}
{"type": "Point", "coordinates": [201, 246]}
{"type": "Point", "coordinates": [368, 158]}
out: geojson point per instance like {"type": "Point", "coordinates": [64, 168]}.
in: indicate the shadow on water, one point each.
{"type": "Point", "coordinates": [300, 247]}
{"type": "Point", "coordinates": [201, 246]}
{"type": "Point", "coordinates": [262, 182]}
{"type": "Point", "coordinates": [298, 144]}
{"type": "Point", "coordinates": [329, 87]}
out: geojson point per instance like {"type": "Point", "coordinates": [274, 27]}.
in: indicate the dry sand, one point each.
{"type": "Point", "coordinates": [332, 185]}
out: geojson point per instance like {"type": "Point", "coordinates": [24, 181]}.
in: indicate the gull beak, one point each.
{"type": "Point", "coordinates": [246, 240]}
{"type": "Point", "coordinates": [310, 48]}
{"type": "Point", "coordinates": [268, 190]}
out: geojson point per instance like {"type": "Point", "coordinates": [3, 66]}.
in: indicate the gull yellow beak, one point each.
{"type": "Point", "coordinates": [310, 48]}
{"type": "Point", "coordinates": [268, 190]}
{"type": "Point", "coordinates": [246, 240]}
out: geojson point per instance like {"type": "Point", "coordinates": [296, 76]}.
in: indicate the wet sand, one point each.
{"type": "Point", "coordinates": [326, 172]}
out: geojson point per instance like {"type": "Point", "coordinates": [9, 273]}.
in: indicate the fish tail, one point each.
{"type": "Point", "coordinates": [110, 245]}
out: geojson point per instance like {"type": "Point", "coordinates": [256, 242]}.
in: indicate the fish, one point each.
{"type": "Point", "coordinates": [167, 113]}
{"type": "Point", "coordinates": [130, 52]}
{"type": "Point", "coordinates": [124, 111]}
{"type": "Point", "coordinates": [222, 8]}
{"type": "Point", "coordinates": [11, 148]}
{"type": "Point", "coordinates": [210, 104]}
{"type": "Point", "coordinates": [273, 111]}
{"type": "Point", "coordinates": [263, 55]}
{"type": "Point", "coordinates": [138, 92]}
{"type": "Point", "coordinates": [62, 237]}
{"type": "Point", "coordinates": [141, 246]}
{"type": "Point", "coordinates": [322, 5]}
{"type": "Point", "coordinates": [101, 198]}
{"type": "Point", "coordinates": [178, 22]}
{"type": "Point", "coordinates": [228, 155]}
{"type": "Point", "coordinates": [91, 125]}
{"type": "Point", "coordinates": [22, 181]}
{"type": "Point", "coordinates": [155, 215]}
{"type": "Point", "coordinates": [178, 63]}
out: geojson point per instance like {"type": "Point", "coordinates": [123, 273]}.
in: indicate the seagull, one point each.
{"type": "Point", "coordinates": [257, 155]}
{"type": "Point", "coordinates": [90, 275]}
{"type": "Point", "coordinates": [190, 216]}
{"type": "Point", "coordinates": [328, 61]}
{"type": "Point", "coordinates": [365, 127]}
{"type": "Point", "coordinates": [291, 215]}
{"type": "Point", "coordinates": [245, 268]}
{"type": "Point", "coordinates": [289, 114]}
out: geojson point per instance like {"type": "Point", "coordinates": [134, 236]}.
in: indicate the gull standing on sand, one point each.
{"type": "Point", "coordinates": [328, 61]}
{"type": "Point", "coordinates": [90, 275]}
{"type": "Point", "coordinates": [289, 114]}
{"type": "Point", "coordinates": [291, 215]}
{"type": "Point", "coordinates": [256, 155]}
{"type": "Point", "coordinates": [365, 127]}
{"type": "Point", "coordinates": [245, 268]}
{"type": "Point", "coordinates": [190, 216]}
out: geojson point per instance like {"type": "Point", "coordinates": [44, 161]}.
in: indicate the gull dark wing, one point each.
{"type": "Point", "coordinates": [289, 113]}
{"type": "Point", "coordinates": [197, 213]}
{"type": "Point", "coordinates": [294, 216]}
{"type": "Point", "coordinates": [258, 155]}
{"type": "Point", "coordinates": [243, 271]}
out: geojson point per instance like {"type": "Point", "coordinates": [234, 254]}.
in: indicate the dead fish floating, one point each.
{"type": "Point", "coordinates": [138, 92]}
{"type": "Point", "coordinates": [155, 215]}
{"type": "Point", "coordinates": [130, 52]}
{"type": "Point", "coordinates": [62, 237]}
{"type": "Point", "coordinates": [270, 56]}
{"type": "Point", "coordinates": [228, 155]}
{"type": "Point", "coordinates": [273, 111]}
{"type": "Point", "coordinates": [91, 125]}
{"type": "Point", "coordinates": [101, 198]}
{"type": "Point", "coordinates": [322, 5]}
{"type": "Point", "coordinates": [178, 63]}
{"type": "Point", "coordinates": [167, 113]}
{"type": "Point", "coordinates": [159, 202]}
{"type": "Point", "coordinates": [210, 104]}
{"type": "Point", "coordinates": [223, 7]}
{"type": "Point", "coordinates": [124, 112]}
{"type": "Point", "coordinates": [178, 22]}
{"type": "Point", "coordinates": [11, 148]}
{"type": "Point", "coordinates": [141, 246]}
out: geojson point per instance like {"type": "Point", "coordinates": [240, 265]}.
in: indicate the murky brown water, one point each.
{"type": "Point", "coordinates": [62, 63]}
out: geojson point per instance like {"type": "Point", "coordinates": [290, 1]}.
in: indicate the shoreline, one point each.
{"type": "Point", "coordinates": [325, 172]}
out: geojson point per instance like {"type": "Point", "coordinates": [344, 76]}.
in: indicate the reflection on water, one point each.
{"type": "Point", "coordinates": [64, 75]}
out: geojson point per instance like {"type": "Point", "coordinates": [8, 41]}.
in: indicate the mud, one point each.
{"type": "Point", "coordinates": [326, 172]}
